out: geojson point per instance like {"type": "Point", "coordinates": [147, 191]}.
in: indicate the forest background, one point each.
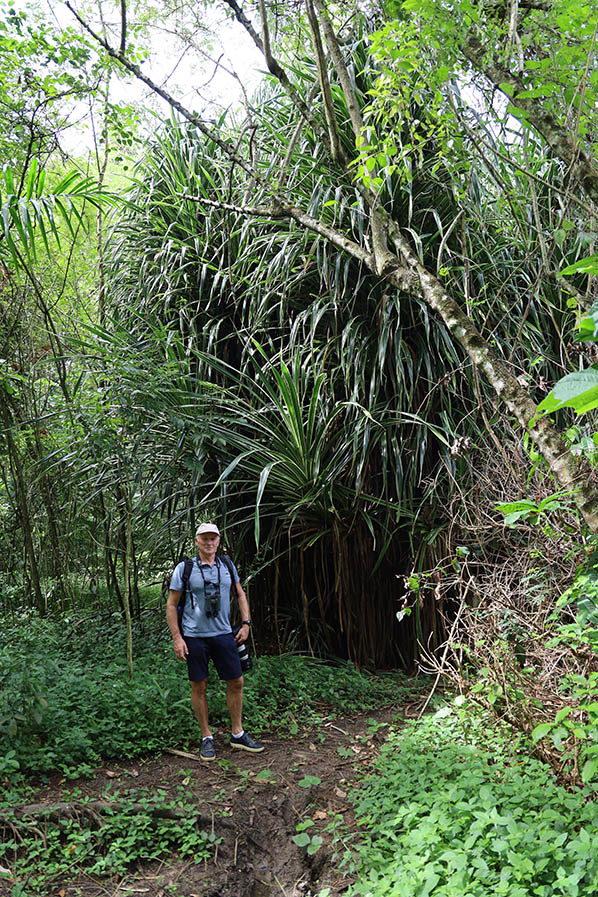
{"type": "Point", "coordinates": [352, 317]}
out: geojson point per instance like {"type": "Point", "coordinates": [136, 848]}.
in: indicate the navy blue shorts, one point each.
{"type": "Point", "coordinates": [222, 649]}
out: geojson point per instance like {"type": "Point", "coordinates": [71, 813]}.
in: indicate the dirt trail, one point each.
{"type": "Point", "coordinates": [254, 803]}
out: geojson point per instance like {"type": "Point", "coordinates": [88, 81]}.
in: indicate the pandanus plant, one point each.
{"type": "Point", "coordinates": [348, 409]}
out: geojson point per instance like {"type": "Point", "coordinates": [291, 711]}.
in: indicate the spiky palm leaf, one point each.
{"type": "Point", "coordinates": [32, 216]}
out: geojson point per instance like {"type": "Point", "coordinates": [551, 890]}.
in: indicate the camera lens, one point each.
{"type": "Point", "coordinates": [243, 653]}
{"type": "Point", "coordinates": [244, 657]}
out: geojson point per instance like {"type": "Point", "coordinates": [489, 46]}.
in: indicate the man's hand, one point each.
{"type": "Point", "coordinates": [243, 634]}
{"type": "Point", "coordinates": [180, 647]}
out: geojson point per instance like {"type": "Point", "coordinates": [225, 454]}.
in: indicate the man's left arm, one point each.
{"type": "Point", "coordinates": [243, 633]}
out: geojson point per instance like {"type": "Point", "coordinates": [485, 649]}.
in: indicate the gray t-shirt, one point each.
{"type": "Point", "coordinates": [195, 622]}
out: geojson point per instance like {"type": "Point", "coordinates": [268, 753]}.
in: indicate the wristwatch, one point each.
{"type": "Point", "coordinates": [246, 623]}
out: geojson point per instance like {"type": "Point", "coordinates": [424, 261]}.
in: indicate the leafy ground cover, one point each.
{"type": "Point", "coordinates": [143, 825]}
{"type": "Point", "coordinates": [67, 703]}
{"type": "Point", "coordinates": [455, 807]}
{"type": "Point", "coordinates": [346, 799]}
{"type": "Point", "coordinates": [370, 805]}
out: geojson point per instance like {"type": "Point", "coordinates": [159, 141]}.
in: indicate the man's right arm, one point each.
{"type": "Point", "coordinates": [172, 618]}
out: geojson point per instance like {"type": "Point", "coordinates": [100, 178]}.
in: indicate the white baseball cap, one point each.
{"type": "Point", "coordinates": [207, 528]}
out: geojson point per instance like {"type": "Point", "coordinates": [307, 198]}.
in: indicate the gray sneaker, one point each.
{"type": "Point", "coordinates": [246, 743]}
{"type": "Point", "coordinates": [207, 752]}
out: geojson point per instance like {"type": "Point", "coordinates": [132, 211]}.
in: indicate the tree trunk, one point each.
{"type": "Point", "coordinates": [128, 554]}
{"type": "Point", "coordinates": [110, 567]}
{"type": "Point", "coordinates": [22, 504]}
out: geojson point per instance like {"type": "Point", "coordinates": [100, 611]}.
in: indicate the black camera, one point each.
{"type": "Point", "coordinates": [243, 653]}
{"type": "Point", "coordinates": [212, 605]}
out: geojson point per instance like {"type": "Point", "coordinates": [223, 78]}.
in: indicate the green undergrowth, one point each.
{"type": "Point", "coordinates": [67, 702]}
{"type": "Point", "coordinates": [456, 807]}
{"type": "Point", "coordinates": [130, 827]}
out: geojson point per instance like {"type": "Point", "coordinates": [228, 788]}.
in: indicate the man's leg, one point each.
{"type": "Point", "coordinates": [225, 655]}
{"type": "Point", "coordinates": [200, 706]}
{"type": "Point", "coordinates": [234, 699]}
{"type": "Point", "coordinates": [234, 702]}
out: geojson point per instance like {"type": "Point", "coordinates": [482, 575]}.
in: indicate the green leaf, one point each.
{"type": "Point", "coordinates": [8, 180]}
{"type": "Point", "coordinates": [589, 770]}
{"type": "Point", "coordinates": [518, 112]}
{"type": "Point", "coordinates": [264, 474]}
{"type": "Point", "coordinates": [563, 712]}
{"type": "Point", "coordinates": [578, 391]}
{"type": "Point", "coordinates": [535, 92]}
{"type": "Point", "coordinates": [30, 184]}
{"type": "Point", "coordinates": [588, 326]}
{"type": "Point", "coordinates": [518, 510]}
{"type": "Point", "coordinates": [588, 265]}
{"type": "Point", "coordinates": [523, 504]}
{"type": "Point", "coordinates": [308, 781]}
{"type": "Point", "coordinates": [314, 846]}
{"type": "Point", "coordinates": [302, 839]}
{"type": "Point", "coordinates": [541, 731]}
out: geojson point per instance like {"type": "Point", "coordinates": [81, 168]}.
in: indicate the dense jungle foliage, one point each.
{"type": "Point", "coordinates": [353, 318]}
{"type": "Point", "coordinates": [228, 362]}
{"type": "Point", "coordinates": [223, 330]}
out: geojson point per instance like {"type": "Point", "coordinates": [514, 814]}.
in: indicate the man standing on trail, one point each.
{"type": "Point", "coordinates": [205, 633]}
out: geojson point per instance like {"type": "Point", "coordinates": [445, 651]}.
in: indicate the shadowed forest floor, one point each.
{"type": "Point", "coordinates": [250, 803]}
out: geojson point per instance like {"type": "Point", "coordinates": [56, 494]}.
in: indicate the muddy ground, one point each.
{"type": "Point", "coordinates": [253, 804]}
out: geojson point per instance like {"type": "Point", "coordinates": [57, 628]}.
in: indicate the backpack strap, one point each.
{"type": "Point", "coordinates": [188, 567]}
{"type": "Point", "coordinates": [229, 566]}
